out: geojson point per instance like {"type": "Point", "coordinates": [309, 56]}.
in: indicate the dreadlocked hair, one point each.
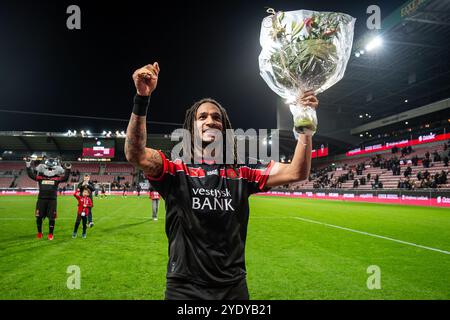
{"type": "Point", "coordinates": [188, 125]}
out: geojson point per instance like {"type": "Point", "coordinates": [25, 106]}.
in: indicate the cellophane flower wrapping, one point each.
{"type": "Point", "coordinates": [304, 50]}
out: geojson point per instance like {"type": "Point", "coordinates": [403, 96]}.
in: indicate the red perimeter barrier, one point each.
{"type": "Point", "coordinates": [400, 144]}
{"type": "Point", "coordinates": [442, 200]}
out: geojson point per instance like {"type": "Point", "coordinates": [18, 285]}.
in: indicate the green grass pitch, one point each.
{"type": "Point", "coordinates": [125, 254]}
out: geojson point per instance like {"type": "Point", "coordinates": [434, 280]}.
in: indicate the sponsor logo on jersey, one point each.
{"type": "Point", "coordinates": [209, 173]}
{"type": "Point", "coordinates": [212, 199]}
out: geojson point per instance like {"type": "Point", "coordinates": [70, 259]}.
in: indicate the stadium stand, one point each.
{"type": "Point", "coordinates": [11, 167]}
{"type": "Point", "coordinates": [24, 182]}
{"type": "Point", "coordinates": [13, 174]}
{"type": "Point", "coordinates": [6, 182]}
{"type": "Point", "coordinates": [119, 168]}
{"type": "Point", "coordinates": [365, 171]}
{"type": "Point", "coordinates": [91, 168]}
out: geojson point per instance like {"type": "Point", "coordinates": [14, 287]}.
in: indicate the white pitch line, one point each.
{"type": "Point", "coordinates": [374, 235]}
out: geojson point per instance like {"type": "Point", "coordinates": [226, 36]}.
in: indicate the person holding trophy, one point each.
{"type": "Point", "coordinates": [207, 202]}
{"type": "Point", "coordinates": [211, 238]}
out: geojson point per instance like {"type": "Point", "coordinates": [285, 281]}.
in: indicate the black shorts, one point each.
{"type": "Point", "coordinates": [46, 209]}
{"type": "Point", "coordinates": [179, 289]}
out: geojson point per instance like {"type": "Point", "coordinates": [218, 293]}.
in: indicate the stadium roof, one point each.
{"type": "Point", "coordinates": [31, 141]}
{"type": "Point", "coordinates": [409, 70]}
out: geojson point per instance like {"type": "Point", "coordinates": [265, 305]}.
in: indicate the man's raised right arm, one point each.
{"type": "Point", "coordinates": [136, 152]}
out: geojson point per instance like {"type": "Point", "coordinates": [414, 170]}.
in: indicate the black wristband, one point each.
{"type": "Point", "coordinates": [141, 104]}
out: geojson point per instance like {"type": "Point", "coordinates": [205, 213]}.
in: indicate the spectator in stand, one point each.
{"type": "Point", "coordinates": [426, 162]}
{"type": "Point", "coordinates": [404, 151]}
{"type": "Point", "coordinates": [446, 161]}
{"type": "Point", "coordinates": [426, 175]}
{"type": "Point", "coordinates": [395, 169]}
{"type": "Point", "coordinates": [355, 183]}
{"type": "Point", "coordinates": [445, 174]}
{"type": "Point", "coordinates": [351, 175]}
{"type": "Point", "coordinates": [436, 156]}
{"type": "Point", "coordinates": [362, 181]}
{"type": "Point", "coordinates": [419, 175]}
{"type": "Point", "coordinates": [407, 172]}
{"type": "Point", "coordinates": [409, 184]}
{"type": "Point", "coordinates": [394, 149]}
{"type": "Point", "coordinates": [368, 177]}
{"type": "Point", "coordinates": [415, 160]}
{"type": "Point", "coordinates": [443, 177]}
{"type": "Point", "coordinates": [424, 184]}
{"type": "Point", "coordinates": [359, 169]}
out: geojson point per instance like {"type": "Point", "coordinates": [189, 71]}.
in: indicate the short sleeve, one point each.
{"type": "Point", "coordinates": [256, 176]}
{"type": "Point", "coordinates": [164, 182]}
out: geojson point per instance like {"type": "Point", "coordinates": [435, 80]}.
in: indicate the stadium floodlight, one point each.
{"type": "Point", "coordinates": [361, 51]}
{"type": "Point", "coordinates": [104, 133]}
{"type": "Point", "coordinates": [374, 43]}
{"type": "Point", "coordinates": [357, 54]}
{"type": "Point", "coordinates": [360, 115]}
{"type": "Point", "coordinates": [361, 135]}
{"type": "Point", "coordinates": [123, 133]}
{"type": "Point", "coordinates": [88, 132]}
{"type": "Point", "coordinates": [406, 100]}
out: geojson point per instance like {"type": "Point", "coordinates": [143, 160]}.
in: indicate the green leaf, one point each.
{"type": "Point", "coordinates": [297, 28]}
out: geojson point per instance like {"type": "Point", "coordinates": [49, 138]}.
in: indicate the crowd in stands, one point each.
{"type": "Point", "coordinates": [334, 177]}
{"type": "Point", "coordinates": [424, 180]}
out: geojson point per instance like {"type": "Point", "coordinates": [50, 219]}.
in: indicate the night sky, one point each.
{"type": "Point", "coordinates": [204, 48]}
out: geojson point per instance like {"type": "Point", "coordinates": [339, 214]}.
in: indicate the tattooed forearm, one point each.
{"type": "Point", "coordinates": [136, 152]}
{"type": "Point", "coordinates": [136, 139]}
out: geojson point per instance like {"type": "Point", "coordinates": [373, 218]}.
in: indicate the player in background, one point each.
{"type": "Point", "coordinates": [84, 207]}
{"type": "Point", "coordinates": [138, 189]}
{"type": "Point", "coordinates": [48, 176]}
{"type": "Point", "coordinates": [87, 183]}
{"type": "Point", "coordinates": [125, 190]}
{"type": "Point", "coordinates": [102, 191]}
{"type": "Point", "coordinates": [155, 197]}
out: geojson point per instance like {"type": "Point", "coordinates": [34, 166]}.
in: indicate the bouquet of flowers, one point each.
{"type": "Point", "coordinates": [304, 50]}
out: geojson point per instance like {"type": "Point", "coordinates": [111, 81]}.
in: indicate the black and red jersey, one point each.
{"type": "Point", "coordinates": [207, 213]}
{"type": "Point", "coordinates": [48, 186]}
